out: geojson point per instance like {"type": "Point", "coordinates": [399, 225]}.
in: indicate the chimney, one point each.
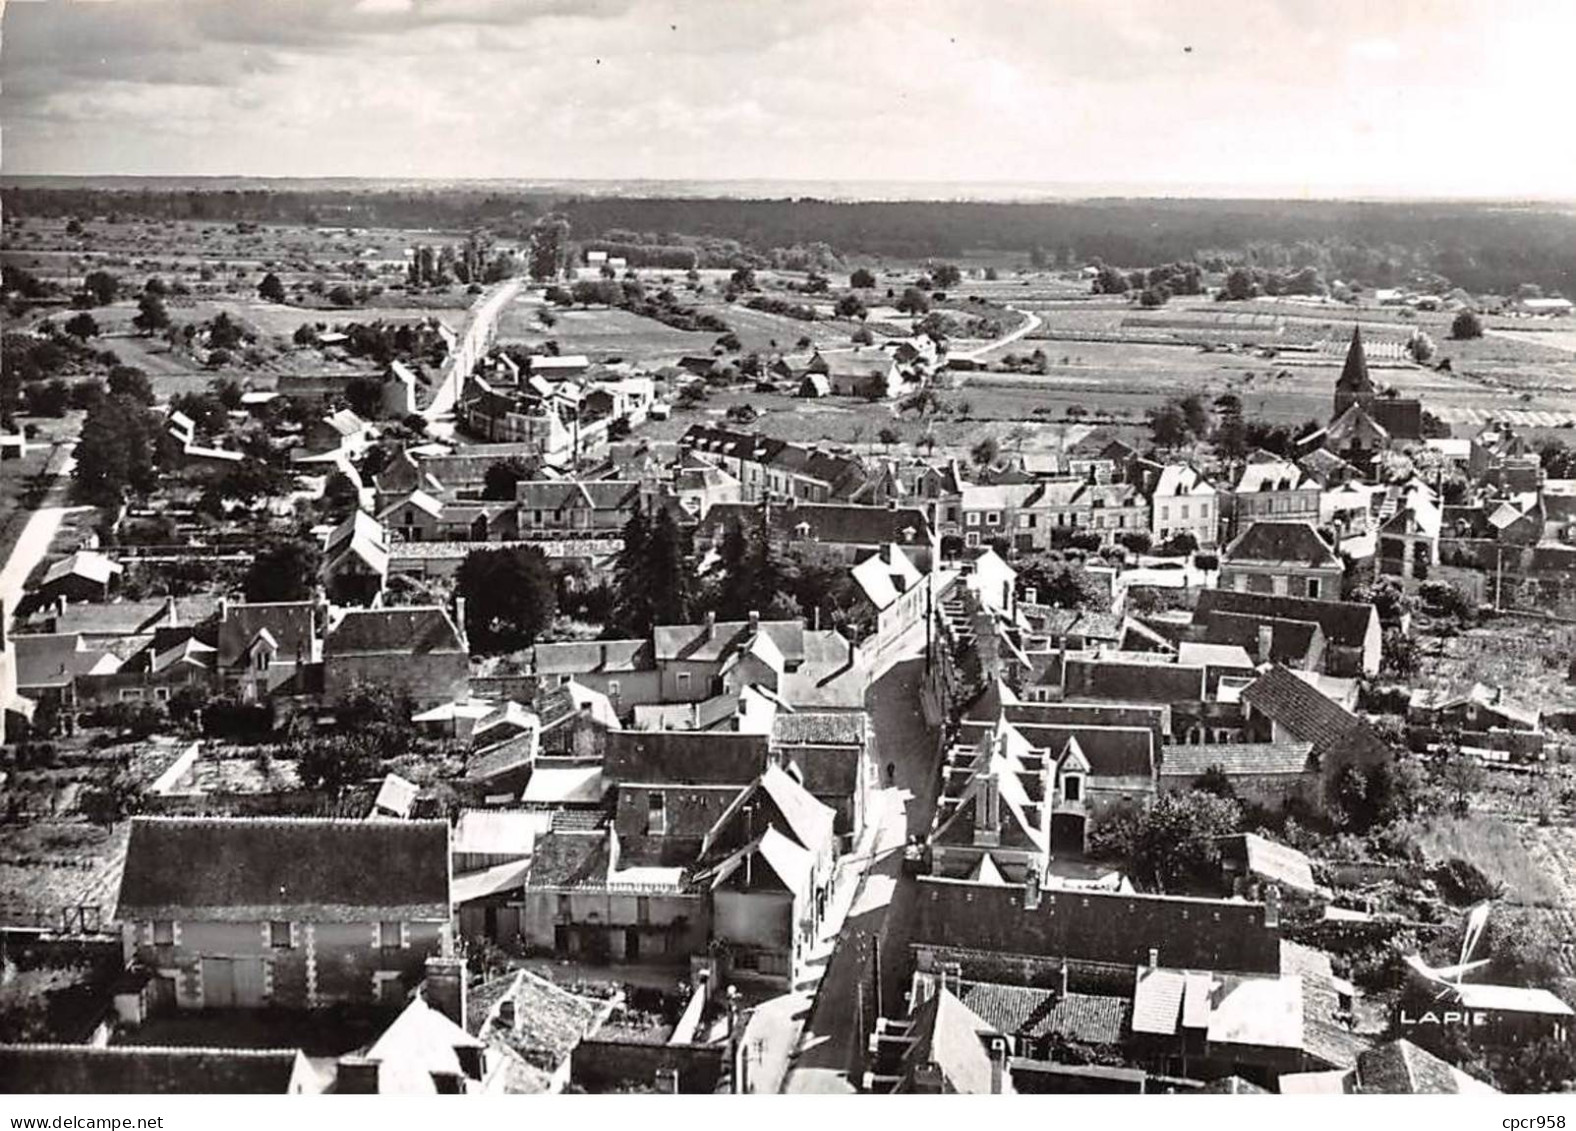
{"type": "Point", "coordinates": [1031, 889]}
{"type": "Point", "coordinates": [1272, 905]}
{"type": "Point", "coordinates": [224, 609]}
{"type": "Point", "coordinates": [998, 1064]}
{"type": "Point", "coordinates": [506, 1013]}
{"type": "Point", "coordinates": [1031, 595]}
{"type": "Point", "coordinates": [1154, 957]}
{"type": "Point", "coordinates": [356, 1076]}
{"type": "Point", "coordinates": [444, 988]}
{"type": "Point", "coordinates": [667, 1081]}
{"type": "Point", "coordinates": [1266, 642]}
{"type": "Point", "coordinates": [711, 625]}
{"type": "Point", "coordinates": [755, 622]}
{"type": "Point", "coordinates": [459, 613]}
{"type": "Point", "coordinates": [1064, 978]}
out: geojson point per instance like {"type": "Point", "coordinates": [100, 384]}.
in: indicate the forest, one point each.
{"type": "Point", "coordinates": [1483, 247]}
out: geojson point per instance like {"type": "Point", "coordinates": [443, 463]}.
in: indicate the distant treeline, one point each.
{"type": "Point", "coordinates": [1481, 247]}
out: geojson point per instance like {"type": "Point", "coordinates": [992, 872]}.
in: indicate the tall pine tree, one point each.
{"type": "Point", "coordinates": [669, 584]}
{"type": "Point", "coordinates": [733, 565]}
{"type": "Point", "coordinates": [632, 595]}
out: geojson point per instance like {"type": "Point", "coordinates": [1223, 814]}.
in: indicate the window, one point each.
{"type": "Point", "coordinates": [1025, 521]}
{"type": "Point", "coordinates": [131, 694]}
{"type": "Point", "coordinates": [1072, 788]}
{"type": "Point", "coordinates": [972, 538]}
{"type": "Point", "coordinates": [388, 935]}
{"type": "Point", "coordinates": [972, 518]}
{"type": "Point", "coordinates": [279, 935]}
{"type": "Point", "coordinates": [684, 681]}
{"type": "Point", "coordinates": [1165, 512]}
{"type": "Point", "coordinates": [163, 932]}
{"type": "Point", "coordinates": [656, 814]}
{"type": "Point", "coordinates": [992, 518]}
{"type": "Point", "coordinates": [1184, 512]}
{"type": "Point", "coordinates": [612, 689]}
{"type": "Point", "coordinates": [1313, 588]}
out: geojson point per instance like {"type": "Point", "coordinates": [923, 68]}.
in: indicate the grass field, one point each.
{"type": "Point", "coordinates": [603, 333]}
{"type": "Point", "coordinates": [1499, 848]}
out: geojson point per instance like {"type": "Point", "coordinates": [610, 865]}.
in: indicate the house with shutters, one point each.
{"type": "Point", "coordinates": [1282, 558]}
{"type": "Point", "coordinates": [1271, 489]}
{"type": "Point", "coordinates": [1183, 502]}
{"type": "Point", "coordinates": [289, 913]}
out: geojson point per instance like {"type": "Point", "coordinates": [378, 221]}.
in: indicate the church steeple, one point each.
{"type": "Point", "coordinates": [1355, 386]}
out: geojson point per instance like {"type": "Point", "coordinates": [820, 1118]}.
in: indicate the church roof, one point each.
{"type": "Point", "coordinates": [1354, 374]}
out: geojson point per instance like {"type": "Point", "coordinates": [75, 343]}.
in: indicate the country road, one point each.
{"type": "Point", "coordinates": [38, 535]}
{"type": "Point", "coordinates": [474, 341]}
{"type": "Point", "coordinates": [1031, 323]}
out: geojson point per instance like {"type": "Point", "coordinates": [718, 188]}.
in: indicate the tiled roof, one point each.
{"type": "Point", "coordinates": [1401, 1068]}
{"type": "Point", "coordinates": [1236, 759]}
{"type": "Point", "coordinates": [1291, 641]}
{"type": "Point", "coordinates": [1305, 712]}
{"type": "Point", "coordinates": [1279, 475]}
{"type": "Point", "coordinates": [1026, 1011]}
{"type": "Point", "coordinates": [563, 858]}
{"type": "Point", "coordinates": [948, 1036]}
{"type": "Point", "coordinates": [55, 659]}
{"type": "Point", "coordinates": [820, 728]}
{"type": "Point", "coordinates": [1282, 542]}
{"type": "Point", "coordinates": [270, 868]}
{"type": "Point", "coordinates": [1131, 681]}
{"type": "Point", "coordinates": [1344, 623]}
{"type": "Point", "coordinates": [142, 1070]}
{"type": "Point", "coordinates": [592, 494]}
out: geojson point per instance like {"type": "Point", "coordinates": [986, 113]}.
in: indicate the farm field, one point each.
{"type": "Point", "coordinates": [758, 329]}
{"type": "Point", "coordinates": [602, 333]}
{"type": "Point", "coordinates": [1528, 654]}
{"type": "Point", "coordinates": [60, 862]}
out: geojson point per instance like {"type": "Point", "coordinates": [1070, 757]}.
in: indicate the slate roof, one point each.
{"type": "Point", "coordinates": [512, 753]}
{"type": "Point", "coordinates": [93, 566]}
{"type": "Point", "coordinates": [592, 494]}
{"type": "Point", "coordinates": [1291, 641]}
{"type": "Point", "coordinates": [56, 659]}
{"type": "Point", "coordinates": [549, 1022]}
{"type": "Point", "coordinates": [1344, 623]}
{"type": "Point", "coordinates": [413, 630]}
{"type": "Point", "coordinates": [236, 869]}
{"type": "Point", "coordinates": [805, 819]}
{"type": "Point", "coordinates": [126, 618]}
{"type": "Point", "coordinates": [584, 657]}
{"type": "Point", "coordinates": [1131, 680]}
{"type": "Point", "coordinates": [1354, 372]}
{"type": "Point", "coordinates": [885, 576]}
{"type": "Point", "coordinates": [702, 643]}
{"type": "Point", "coordinates": [1111, 751]}
{"type": "Point", "coordinates": [685, 757]}
{"type": "Point", "coordinates": [948, 1035]}
{"type": "Point", "coordinates": [1277, 475]}
{"type": "Point", "coordinates": [565, 785]}
{"type": "Point", "coordinates": [396, 795]}
{"type": "Point", "coordinates": [1282, 542]}
{"type": "Point", "coordinates": [1308, 714]}
{"type": "Point", "coordinates": [51, 1069]}
{"type": "Point", "coordinates": [1239, 759]}
{"type": "Point", "coordinates": [290, 623]}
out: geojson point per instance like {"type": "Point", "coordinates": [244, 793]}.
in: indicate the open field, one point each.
{"type": "Point", "coordinates": [1500, 848]}
{"type": "Point", "coordinates": [54, 863]}
{"type": "Point", "coordinates": [602, 332]}
{"type": "Point", "coordinates": [758, 330]}
{"type": "Point", "coordinates": [1526, 654]}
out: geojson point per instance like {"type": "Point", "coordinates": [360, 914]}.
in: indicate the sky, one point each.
{"type": "Point", "coordinates": [1315, 98]}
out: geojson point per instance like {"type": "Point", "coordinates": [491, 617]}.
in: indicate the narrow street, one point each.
{"type": "Point", "coordinates": [830, 1056]}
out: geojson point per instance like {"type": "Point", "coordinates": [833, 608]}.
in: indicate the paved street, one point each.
{"type": "Point", "coordinates": [829, 1054]}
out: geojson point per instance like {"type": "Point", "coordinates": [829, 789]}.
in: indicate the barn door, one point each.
{"type": "Point", "coordinates": [248, 982]}
{"type": "Point", "coordinates": [218, 983]}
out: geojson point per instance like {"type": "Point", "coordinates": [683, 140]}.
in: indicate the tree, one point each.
{"type": "Point", "coordinates": [502, 476]}
{"type": "Point", "coordinates": [285, 570]}
{"type": "Point", "coordinates": [1461, 775]}
{"type": "Point", "coordinates": [945, 276]}
{"type": "Point", "coordinates": [913, 301]}
{"type": "Point", "coordinates": [364, 395]}
{"type": "Point", "coordinates": [116, 451]}
{"type": "Point", "coordinates": [1399, 654]}
{"type": "Point", "coordinates": [1240, 284]}
{"type": "Point", "coordinates": [1109, 281]}
{"type": "Point", "coordinates": [271, 289]}
{"type": "Point", "coordinates": [342, 295]}
{"type": "Point", "coordinates": [743, 278]}
{"type": "Point", "coordinates": [549, 247]}
{"type": "Point", "coordinates": [1467, 324]}
{"type": "Point", "coordinates": [632, 612]}
{"type": "Point", "coordinates": [510, 597]}
{"type": "Point", "coordinates": [1421, 347]}
{"type": "Point", "coordinates": [888, 436]}
{"type": "Point", "coordinates": [1216, 781]}
{"type": "Point", "coordinates": [82, 326]}
{"type": "Point", "coordinates": [851, 306]}
{"type": "Point", "coordinates": [335, 761]}
{"type": "Point", "coordinates": [152, 316]}
{"type": "Point", "coordinates": [667, 575]}
{"type": "Point", "coordinates": [225, 333]}
{"type": "Point", "coordinates": [1063, 584]}
{"type": "Point", "coordinates": [101, 287]}
{"type": "Point", "coordinates": [1155, 296]}
{"type": "Point", "coordinates": [116, 795]}
{"type": "Point", "coordinates": [862, 279]}
{"type": "Point", "coordinates": [985, 453]}
{"type": "Point", "coordinates": [1178, 842]}
{"type": "Point", "coordinates": [130, 382]}
{"type": "Point", "coordinates": [1167, 426]}
{"type": "Point", "coordinates": [1195, 414]}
